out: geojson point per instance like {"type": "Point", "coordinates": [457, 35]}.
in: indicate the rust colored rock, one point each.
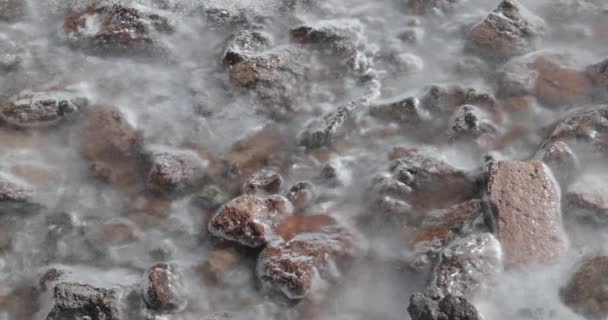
{"type": "Point", "coordinates": [250, 220]}
{"type": "Point", "coordinates": [302, 195]}
{"type": "Point", "coordinates": [175, 171]}
{"type": "Point", "coordinates": [508, 31]}
{"type": "Point", "coordinates": [552, 77]}
{"type": "Point", "coordinates": [309, 263]}
{"type": "Point", "coordinates": [294, 225]}
{"type": "Point", "coordinates": [590, 207]}
{"type": "Point", "coordinates": [526, 202]}
{"type": "Point", "coordinates": [432, 304]}
{"type": "Point", "coordinates": [115, 29]}
{"type": "Point", "coordinates": [441, 101]}
{"type": "Point", "coordinates": [221, 261]}
{"type": "Point", "coordinates": [585, 292]}
{"type": "Point", "coordinates": [106, 135]}
{"type": "Point", "coordinates": [263, 183]}
{"type": "Point", "coordinates": [244, 44]}
{"type": "Point", "coordinates": [41, 108]}
{"type": "Point", "coordinates": [117, 232]}
{"type": "Point", "coordinates": [163, 288]}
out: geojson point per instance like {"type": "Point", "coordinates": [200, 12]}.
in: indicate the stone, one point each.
{"type": "Point", "coordinates": [526, 202]}
{"type": "Point", "coordinates": [470, 122]}
{"type": "Point", "coordinates": [211, 197]}
{"type": "Point", "coordinates": [507, 31]}
{"type": "Point", "coordinates": [598, 73]}
{"type": "Point", "coordinates": [117, 231]}
{"type": "Point", "coordinates": [431, 304]}
{"type": "Point", "coordinates": [442, 101]}
{"type": "Point", "coordinates": [404, 111]}
{"type": "Point", "coordinates": [562, 161]}
{"type": "Point", "coordinates": [175, 171]}
{"type": "Point", "coordinates": [263, 183]}
{"type": "Point", "coordinates": [584, 292]}
{"type": "Point", "coordinates": [163, 288]}
{"type": "Point", "coordinates": [586, 126]}
{"type": "Point", "coordinates": [115, 29]}
{"type": "Point", "coordinates": [302, 195]}
{"type": "Point", "coordinates": [243, 44]}
{"type": "Point", "coordinates": [308, 264]}
{"type": "Point", "coordinates": [16, 196]}
{"type": "Point", "coordinates": [42, 108]}
{"type": "Point", "coordinates": [76, 293]}
{"type": "Point", "coordinates": [553, 77]}
{"type": "Point", "coordinates": [468, 264]}
{"type": "Point", "coordinates": [250, 220]}
{"type": "Point", "coordinates": [585, 200]}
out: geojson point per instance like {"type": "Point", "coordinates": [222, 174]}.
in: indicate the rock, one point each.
{"type": "Point", "coordinates": [107, 136]}
{"type": "Point", "coordinates": [552, 77]}
{"type": "Point", "coordinates": [119, 231]}
{"type": "Point", "coordinates": [508, 31]}
{"type": "Point", "coordinates": [526, 203]}
{"type": "Point", "coordinates": [405, 111]}
{"type": "Point", "coordinates": [310, 262]}
{"type": "Point", "coordinates": [211, 197]}
{"type": "Point", "coordinates": [41, 108]}
{"type": "Point", "coordinates": [16, 196]}
{"type": "Point", "coordinates": [250, 220]}
{"type": "Point", "coordinates": [175, 171]}
{"type": "Point", "coordinates": [115, 29]}
{"type": "Point", "coordinates": [80, 292]}
{"type": "Point", "coordinates": [433, 305]}
{"type": "Point", "coordinates": [302, 195]}
{"type": "Point", "coordinates": [442, 101]}
{"type": "Point", "coordinates": [467, 264]}
{"type": "Point", "coordinates": [598, 73]}
{"type": "Point", "coordinates": [163, 288]}
{"type": "Point", "coordinates": [586, 126]}
{"type": "Point", "coordinates": [297, 224]}
{"type": "Point", "coordinates": [243, 44]}
{"type": "Point", "coordinates": [273, 76]}
{"type": "Point", "coordinates": [585, 200]}
{"type": "Point", "coordinates": [562, 161]}
{"type": "Point", "coordinates": [12, 9]}
{"type": "Point", "coordinates": [470, 122]}
{"type": "Point", "coordinates": [263, 183]}
{"type": "Point", "coordinates": [220, 262]}
{"type": "Point", "coordinates": [585, 293]}
{"type": "Point", "coordinates": [429, 6]}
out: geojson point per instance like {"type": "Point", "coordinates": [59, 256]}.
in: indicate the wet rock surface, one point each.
{"type": "Point", "coordinates": [172, 171]}
{"type": "Point", "coordinates": [583, 292]}
{"type": "Point", "coordinates": [526, 202]}
{"type": "Point", "coordinates": [163, 289]}
{"type": "Point", "coordinates": [431, 304]}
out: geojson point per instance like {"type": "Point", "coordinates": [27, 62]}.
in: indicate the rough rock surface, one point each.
{"type": "Point", "coordinates": [302, 195]}
{"type": "Point", "coordinates": [250, 220]}
{"type": "Point", "coordinates": [585, 200]}
{"type": "Point", "coordinates": [16, 196]}
{"type": "Point", "coordinates": [163, 288]}
{"type": "Point", "coordinates": [115, 29]}
{"type": "Point", "coordinates": [310, 262]}
{"type": "Point", "coordinates": [175, 171]}
{"type": "Point", "coordinates": [470, 122]}
{"type": "Point", "coordinates": [561, 159]}
{"type": "Point", "coordinates": [431, 304]}
{"type": "Point", "coordinates": [467, 264]}
{"type": "Point", "coordinates": [264, 182]}
{"type": "Point", "coordinates": [583, 126]}
{"type": "Point", "coordinates": [526, 203]}
{"type": "Point", "coordinates": [507, 31]}
{"type": "Point", "coordinates": [585, 292]}
{"type": "Point", "coordinates": [41, 108]}
{"type": "Point", "coordinates": [243, 44]}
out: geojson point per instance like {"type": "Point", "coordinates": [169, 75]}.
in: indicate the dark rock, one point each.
{"type": "Point", "coordinates": [508, 31]}
{"type": "Point", "coordinates": [163, 288]}
{"type": "Point", "coordinates": [470, 122]}
{"type": "Point", "coordinates": [250, 220]}
{"type": "Point", "coordinates": [468, 264]}
{"type": "Point", "coordinates": [585, 200]}
{"type": "Point", "coordinates": [310, 262]}
{"type": "Point", "coordinates": [243, 45]}
{"type": "Point", "coordinates": [442, 101]}
{"type": "Point", "coordinates": [175, 171]}
{"type": "Point", "coordinates": [585, 292]}
{"type": "Point", "coordinates": [433, 305]}
{"type": "Point", "coordinates": [526, 202]}
{"type": "Point", "coordinates": [403, 111]}
{"type": "Point", "coordinates": [41, 108]}
{"type": "Point", "coordinates": [302, 195]}
{"type": "Point", "coordinates": [115, 29]}
{"type": "Point", "coordinates": [264, 182]}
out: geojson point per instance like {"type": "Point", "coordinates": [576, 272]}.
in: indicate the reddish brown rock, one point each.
{"type": "Point", "coordinates": [250, 220]}
{"type": "Point", "coordinates": [507, 31]}
{"type": "Point", "coordinates": [442, 101]}
{"type": "Point", "coordinates": [244, 44]}
{"type": "Point", "coordinates": [163, 288]}
{"type": "Point", "coordinates": [294, 225]}
{"type": "Point", "coordinates": [432, 304]}
{"type": "Point", "coordinates": [526, 202]}
{"type": "Point", "coordinates": [263, 183]}
{"type": "Point", "coordinates": [403, 111]}
{"type": "Point", "coordinates": [586, 126]}
{"type": "Point", "coordinates": [115, 29]}
{"type": "Point", "coordinates": [175, 171]}
{"type": "Point", "coordinates": [561, 159]}
{"type": "Point", "coordinates": [585, 292]}
{"type": "Point", "coordinates": [117, 232]}
{"type": "Point", "coordinates": [41, 108]}
{"type": "Point", "coordinates": [309, 263]}
{"type": "Point", "coordinates": [220, 261]}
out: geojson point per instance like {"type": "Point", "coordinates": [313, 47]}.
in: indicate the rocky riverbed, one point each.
{"type": "Point", "coordinates": [303, 159]}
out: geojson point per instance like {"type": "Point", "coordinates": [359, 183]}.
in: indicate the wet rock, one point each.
{"type": "Point", "coordinates": [325, 131]}
{"type": "Point", "coordinates": [599, 74]}
{"type": "Point", "coordinates": [250, 220]}
{"type": "Point", "coordinates": [163, 288]}
{"type": "Point", "coordinates": [211, 197]}
{"type": "Point", "coordinates": [80, 292]}
{"type": "Point", "coordinates": [41, 108]}
{"type": "Point", "coordinates": [561, 159]}
{"type": "Point", "coordinates": [583, 126]}
{"type": "Point", "coordinates": [508, 31]}
{"type": "Point", "coordinates": [273, 77]}
{"type": "Point", "coordinates": [264, 182]}
{"type": "Point", "coordinates": [585, 200]}
{"type": "Point", "coordinates": [585, 293]}
{"type": "Point", "coordinates": [115, 29]}
{"type": "Point", "coordinates": [106, 136]}
{"type": "Point", "coordinates": [467, 264]}
{"type": "Point", "coordinates": [117, 232]}
{"type": "Point", "coordinates": [12, 9]}
{"type": "Point", "coordinates": [552, 77]}
{"type": "Point", "coordinates": [442, 101]}
{"type": "Point", "coordinates": [16, 196]}
{"type": "Point", "coordinates": [403, 111]}
{"type": "Point", "coordinates": [526, 202]}
{"type": "Point", "coordinates": [302, 195]}
{"type": "Point", "coordinates": [244, 44]}
{"type": "Point", "coordinates": [431, 304]}
{"type": "Point", "coordinates": [470, 122]}
{"type": "Point", "coordinates": [175, 171]}
{"type": "Point", "coordinates": [309, 263]}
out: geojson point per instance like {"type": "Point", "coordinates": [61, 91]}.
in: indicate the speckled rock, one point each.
{"type": "Point", "coordinates": [163, 288]}
{"type": "Point", "coordinates": [244, 44]}
{"type": "Point", "coordinates": [263, 183]}
{"type": "Point", "coordinates": [431, 304]}
{"type": "Point", "coordinates": [175, 171]}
